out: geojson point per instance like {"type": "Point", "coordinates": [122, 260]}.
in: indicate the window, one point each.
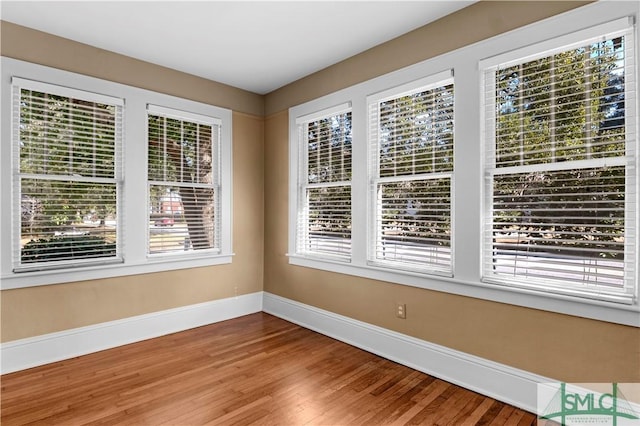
{"type": "Point", "coordinates": [561, 169]}
{"type": "Point", "coordinates": [67, 146]}
{"type": "Point", "coordinates": [102, 180]}
{"type": "Point", "coordinates": [411, 143]}
{"type": "Point", "coordinates": [324, 228]}
{"type": "Point", "coordinates": [516, 183]}
{"type": "Point", "coordinates": [183, 181]}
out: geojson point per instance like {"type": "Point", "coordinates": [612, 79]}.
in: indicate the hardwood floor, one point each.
{"type": "Point", "coordinates": [256, 369]}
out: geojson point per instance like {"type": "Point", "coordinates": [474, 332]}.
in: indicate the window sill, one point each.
{"type": "Point", "coordinates": [567, 305]}
{"type": "Point", "coordinates": [60, 276]}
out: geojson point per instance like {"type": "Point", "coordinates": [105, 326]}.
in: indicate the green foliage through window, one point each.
{"type": "Point", "coordinates": [67, 175]}
{"type": "Point", "coordinates": [559, 178]}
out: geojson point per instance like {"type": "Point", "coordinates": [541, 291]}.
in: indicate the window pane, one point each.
{"type": "Point", "coordinates": [416, 133]}
{"type": "Point", "coordinates": [66, 136]}
{"type": "Point", "coordinates": [415, 222]}
{"type": "Point", "coordinates": [566, 225]}
{"type": "Point", "coordinates": [181, 219]}
{"type": "Point", "coordinates": [329, 149]}
{"type": "Point", "coordinates": [563, 107]}
{"type": "Point", "coordinates": [328, 228]}
{"type": "Point", "coordinates": [180, 151]}
{"type": "Point", "coordinates": [67, 220]}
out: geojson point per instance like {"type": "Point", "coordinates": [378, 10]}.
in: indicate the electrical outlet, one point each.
{"type": "Point", "coordinates": [401, 310]}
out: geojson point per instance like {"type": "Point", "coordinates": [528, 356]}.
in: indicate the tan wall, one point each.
{"type": "Point", "coordinates": [562, 347]}
{"type": "Point", "coordinates": [38, 310]}
{"type": "Point", "coordinates": [557, 346]}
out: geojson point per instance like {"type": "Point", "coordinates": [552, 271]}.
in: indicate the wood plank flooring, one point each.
{"type": "Point", "coordinates": [256, 369]}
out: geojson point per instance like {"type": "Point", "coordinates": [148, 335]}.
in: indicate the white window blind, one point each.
{"type": "Point", "coordinates": [67, 183]}
{"type": "Point", "coordinates": [183, 181]}
{"type": "Point", "coordinates": [324, 225]}
{"type": "Point", "coordinates": [411, 154]}
{"type": "Point", "coordinates": [561, 170]}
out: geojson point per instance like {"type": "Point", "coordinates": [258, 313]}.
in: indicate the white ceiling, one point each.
{"type": "Point", "coordinates": [254, 45]}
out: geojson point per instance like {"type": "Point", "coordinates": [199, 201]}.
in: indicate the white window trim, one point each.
{"type": "Point", "coordinates": [216, 185]}
{"type": "Point", "coordinates": [134, 172]}
{"type": "Point", "coordinates": [469, 190]}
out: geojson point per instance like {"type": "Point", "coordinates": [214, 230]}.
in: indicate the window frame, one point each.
{"type": "Point", "coordinates": [216, 125]}
{"type": "Point", "coordinates": [469, 190]}
{"type": "Point", "coordinates": [628, 160]}
{"type": "Point", "coordinates": [134, 214]}
{"type": "Point", "coordinates": [373, 101]}
{"type": "Point", "coordinates": [18, 84]}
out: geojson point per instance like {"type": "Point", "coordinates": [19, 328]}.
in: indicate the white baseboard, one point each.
{"type": "Point", "coordinates": [498, 381]}
{"type": "Point", "coordinates": [33, 351]}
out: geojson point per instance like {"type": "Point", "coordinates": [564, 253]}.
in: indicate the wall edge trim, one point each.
{"type": "Point", "coordinates": [499, 381]}
{"type": "Point", "coordinates": [34, 351]}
